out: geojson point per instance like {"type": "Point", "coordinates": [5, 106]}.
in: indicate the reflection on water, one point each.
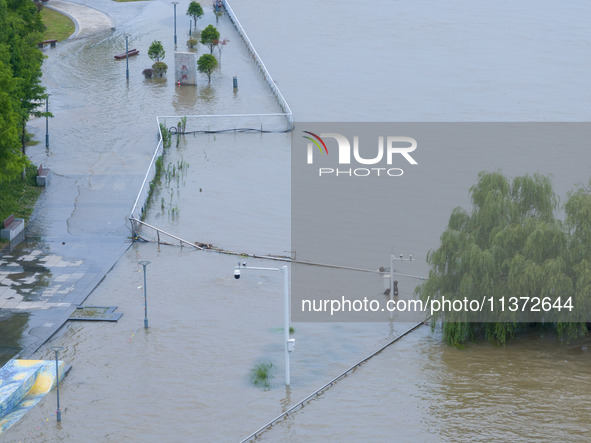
{"type": "Point", "coordinates": [187, 376]}
{"type": "Point", "coordinates": [12, 325]}
{"type": "Point", "coordinates": [234, 193]}
{"type": "Point", "coordinates": [422, 390]}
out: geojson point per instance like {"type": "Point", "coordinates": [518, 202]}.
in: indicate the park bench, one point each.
{"type": "Point", "coordinates": [52, 43]}
{"type": "Point", "coordinates": [129, 53]}
{"type": "Point", "coordinates": [12, 227]}
{"type": "Point", "coordinates": [42, 176]}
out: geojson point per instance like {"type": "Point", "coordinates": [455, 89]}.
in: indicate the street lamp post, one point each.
{"type": "Point", "coordinates": [190, 26]}
{"type": "Point", "coordinates": [289, 343]}
{"type": "Point", "coordinates": [126, 57]}
{"type": "Point", "coordinates": [174, 4]}
{"type": "Point", "coordinates": [145, 263]}
{"type": "Point", "coordinates": [58, 412]}
{"type": "Point", "coordinates": [47, 121]}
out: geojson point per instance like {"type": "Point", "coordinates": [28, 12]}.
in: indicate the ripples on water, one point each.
{"type": "Point", "coordinates": [187, 377]}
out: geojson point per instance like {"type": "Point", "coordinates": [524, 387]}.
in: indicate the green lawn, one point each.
{"type": "Point", "coordinates": [18, 198]}
{"type": "Point", "coordinates": [58, 26]}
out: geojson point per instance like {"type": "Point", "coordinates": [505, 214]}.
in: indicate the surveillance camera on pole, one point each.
{"type": "Point", "coordinates": [289, 344]}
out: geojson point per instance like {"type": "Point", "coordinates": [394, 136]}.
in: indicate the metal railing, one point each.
{"type": "Point", "coordinates": [259, 62]}
{"type": "Point", "coordinates": [279, 122]}
{"type": "Point", "coordinates": [324, 387]}
{"type": "Point", "coordinates": [166, 234]}
{"type": "Point", "coordinates": [227, 123]}
{"type": "Point", "coordinates": [139, 207]}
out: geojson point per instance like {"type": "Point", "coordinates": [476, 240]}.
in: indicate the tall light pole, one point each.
{"type": "Point", "coordinates": [174, 4]}
{"type": "Point", "coordinates": [47, 121]}
{"type": "Point", "coordinates": [58, 412]}
{"type": "Point", "coordinates": [289, 343]}
{"type": "Point", "coordinates": [190, 26]}
{"type": "Point", "coordinates": [145, 263]}
{"type": "Point", "coordinates": [126, 57]}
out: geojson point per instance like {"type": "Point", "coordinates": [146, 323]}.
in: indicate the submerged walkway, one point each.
{"type": "Point", "coordinates": [89, 21]}
{"type": "Point", "coordinates": [43, 279]}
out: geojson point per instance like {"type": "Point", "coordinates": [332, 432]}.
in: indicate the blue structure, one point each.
{"type": "Point", "coordinates": [23, 383]}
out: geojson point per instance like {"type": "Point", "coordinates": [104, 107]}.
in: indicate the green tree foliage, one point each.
{"type": "Point", "coordinates": [160, 68]}
{"type": "Point", "coordinates": [209, 37]}
{"type": "Point", "coordinates": [156, 51]}
{"type": "Point", "coordinates": [511, 244]}
{"type": "Point", "coordinates": [194, 10]}
{"type": "Point", "coordinates": [206, 65]}
{"type": "Point", "coordinates": [20, 80]}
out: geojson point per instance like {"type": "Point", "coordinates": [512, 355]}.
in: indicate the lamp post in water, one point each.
{"type": "Point", "coordinates": [58, 412]}
{"type": "Point", "coordinates": [174, 4]}
{"type": "Point", "coordinates": [145, 263]}
{"type": "Point", "coordinates": [47, 121]}
{"type": "Point", "coordinates": [126, 57]}
{"type": "Point", "coordinates": [289, 343]}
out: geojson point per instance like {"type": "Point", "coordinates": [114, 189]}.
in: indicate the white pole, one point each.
{"type": "Point", "coordinates": [391, 284]}
{"type": "Point", "coordinates": [286, 309]}
{"type": "Point", "coordinates": [286, 321]}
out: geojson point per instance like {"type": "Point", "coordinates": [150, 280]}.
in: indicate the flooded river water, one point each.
{"type": "Point", "coordinates": [186, 378]}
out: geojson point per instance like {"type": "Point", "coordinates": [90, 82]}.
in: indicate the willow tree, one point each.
{"type": "Point", "coordinates": [512, 245]}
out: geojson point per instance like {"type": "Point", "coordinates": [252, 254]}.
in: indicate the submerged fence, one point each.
{"type": "Point", "coordinates": [259, 63]}
{"type": "Point", "coordinates": [193, 124]}
{"type": "Point", "coordinates": [326, 386]}
{"type": "Point", "coordinates": [140, 206]}
{"type": "Point", "coordinates": [279, 122]}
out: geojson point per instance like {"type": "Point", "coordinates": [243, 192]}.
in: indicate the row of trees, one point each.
{"type": "Point", "coordinates": [512, 244]}
{"type": "Point", "coordinates": [206, 63]}
{"type": "Point", "coordinates": [20, 81]}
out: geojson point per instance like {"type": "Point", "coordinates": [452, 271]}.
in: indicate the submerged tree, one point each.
{"type": "Point", "coordinates": [195, 10]}
{"type": "Point", "coordinates": [206, 65]}
{"type": "Point", "coordinates": [156, 51]}
{"type": "Point", "coordinates": [209, 36]}
{"type": "Point", "coordinates": [512, 245]}
{"type": "Point", "coordinates": [220, 45]}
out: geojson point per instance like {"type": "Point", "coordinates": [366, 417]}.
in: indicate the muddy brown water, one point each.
{"type": "Point", "coordinates": [187, 377]}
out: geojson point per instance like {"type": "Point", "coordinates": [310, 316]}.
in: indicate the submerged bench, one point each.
{"type": "Point", "coordinates": [42, 178]}
{"type": "Point", "coordinates": [52, 43]}
{"type": "Point", "coordinates": [11, 228]}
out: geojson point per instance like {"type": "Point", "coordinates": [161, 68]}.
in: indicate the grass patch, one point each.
{"type": "Point", "coordinates": [261, 376]}
{"type": "Point", "coordinates": [57, 26]}
{"type": "Point", "coordinates": [18, 197]}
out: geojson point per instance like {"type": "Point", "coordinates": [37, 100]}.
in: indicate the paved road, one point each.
{"type": "Point", "coordinates": [43, 279]}
{"type": "Point", "coordinates": [89, 21]}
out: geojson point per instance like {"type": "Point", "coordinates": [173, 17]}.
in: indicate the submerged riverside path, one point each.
{"type": "Point", "coordinates": [208, 330]}
{"type": "Point", "coordinates": [79, 228]}
{"type": "Point", "coordinates": [44, 279]}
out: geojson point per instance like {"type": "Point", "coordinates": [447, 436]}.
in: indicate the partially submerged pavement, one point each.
{"type": "Point", "coordinates": [102, 137]}
{"type": "Point", "coordinates": [88, 21]}
{"type": "Point", "coordinates": [68, 251]}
